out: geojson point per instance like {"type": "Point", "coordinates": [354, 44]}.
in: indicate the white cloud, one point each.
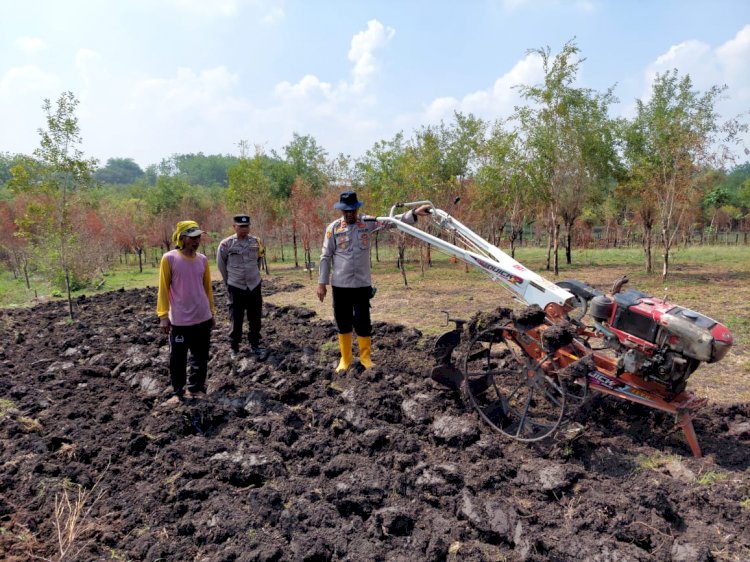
{"type": "Point", "coordinates": [28, 81]}
{"type": "Point", "coordinates": [332, 112]}
{"type": "Point", "coordinates": [22, 90]}
{"type": "Point", "coordinates": [726, 64]}
{"type": "Point", "coordinates": [497, 101]}
{"type": "Point", "coordinates": [310, 87]}
{"type": "Point", "coordinates": [86, 59]}
{"type": "Point", "coordinates": [733, 57]}
{"type": "Point", "coordinates": [690, 57]}
{"type": "Point", "coordinates": [187, 91]}
{"type": "Point", "coordinates": [186, 112]}
{"type": "Point", "coordinates": [361, 51]}
{"type": "Point", "coordinates": [272, 11]}
{"type": "Point", "coordinates": [30, 44]}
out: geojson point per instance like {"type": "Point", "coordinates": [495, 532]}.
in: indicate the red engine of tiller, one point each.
{"type": "Point", "coordinates": [658, 340]}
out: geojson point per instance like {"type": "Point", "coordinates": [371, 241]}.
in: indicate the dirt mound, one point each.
{"type": "Point", "coordinates": [283, 462]}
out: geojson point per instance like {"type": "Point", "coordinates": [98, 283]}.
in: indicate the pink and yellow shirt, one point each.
{"type": "Point", "coordinates": [185, 292]}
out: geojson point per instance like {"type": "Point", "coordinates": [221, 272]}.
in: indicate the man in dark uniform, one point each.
{"type": "Point", "coordinates": [239, 259]}
{"type": "Point", "coordinates": [345, 264]}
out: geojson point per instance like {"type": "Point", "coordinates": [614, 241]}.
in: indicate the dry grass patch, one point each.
{"type": "Point", "coordinates": [30, 424]}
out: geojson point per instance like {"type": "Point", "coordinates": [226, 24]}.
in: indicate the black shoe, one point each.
{"type": "Point", "coordinates": [260, 352]}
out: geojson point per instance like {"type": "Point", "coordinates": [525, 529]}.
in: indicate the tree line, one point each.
{"type": "Point", "coordinates": [559, 165]}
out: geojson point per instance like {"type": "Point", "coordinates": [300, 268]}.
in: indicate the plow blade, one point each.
{"type": "Point", "coordinates": [447, 375]}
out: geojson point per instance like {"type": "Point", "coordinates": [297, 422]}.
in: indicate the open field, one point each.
{"type": "Point", "coordinates": [284, 460]}
{"type": "Point", "coordinates": [714, 280]}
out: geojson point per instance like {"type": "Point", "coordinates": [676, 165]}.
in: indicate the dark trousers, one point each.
{"type": "Point", "coordinates": [243, 302]}
{"type": "Point", "coordinates": [351, 308]}
{"type": "Point", "coordinates": [197, 340]}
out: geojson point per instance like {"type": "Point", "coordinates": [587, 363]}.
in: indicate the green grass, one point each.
{"type": "Point", "coordinates": [711, 477]}
{"type": "Point", "coordinates": [734, 260]}
{"type": "Point", "coordinates": [13, 292]}
{"type": "Point", "coordinates": [655, 461]}
{"type": "Point", "coordinates": [6, 406]}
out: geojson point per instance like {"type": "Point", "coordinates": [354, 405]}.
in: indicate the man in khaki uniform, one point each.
{"type": "Point", "coordinates": [238, 259]}
{"type": "Point", "coordinates": [345, 264]}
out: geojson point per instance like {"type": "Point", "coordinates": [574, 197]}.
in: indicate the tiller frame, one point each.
{"type": "Point", "coordinates": [526, 373]}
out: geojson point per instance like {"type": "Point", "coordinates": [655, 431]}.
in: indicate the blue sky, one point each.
{"type": "Point", "coordinates": [158, 77]}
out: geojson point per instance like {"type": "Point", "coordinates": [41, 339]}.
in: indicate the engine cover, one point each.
{"type": "Point", "coordinates": [642, 321]}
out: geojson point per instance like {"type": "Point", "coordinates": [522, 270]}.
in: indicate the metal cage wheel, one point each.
{"type": "Point", "coordinates": [508, 389]}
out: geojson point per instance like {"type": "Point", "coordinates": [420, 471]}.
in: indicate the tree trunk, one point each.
{"type": "Point", "coordinates": [556, 233]}
{"type": "Point", "coordinates": [401, 253]}
{"type": "Point", "coordinates": [647, 249]}
{"type": "Point", "coordinates": [294, 246]}
{"type": "Point", "coordinates": [308, 261]}
{"type": "Point", "coordinates": [70, 298]}
{"type": "Point", "coordinates": [568, 244]}
{"type": "Point", "coordinates": [26, 273]}
{"type": "Point", "coordinates": [665, 255]}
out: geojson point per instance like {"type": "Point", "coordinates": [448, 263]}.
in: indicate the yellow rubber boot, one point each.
{"type": "Point", "coordinates": [345, 345]}
{"type": "Point", "coordinates": [365, 349]}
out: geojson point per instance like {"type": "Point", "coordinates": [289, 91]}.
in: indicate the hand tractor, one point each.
{"type": "Point", "coordinates": [526, 372]}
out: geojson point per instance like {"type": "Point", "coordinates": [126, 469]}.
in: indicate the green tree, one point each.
{"type": "Point", "coordinates": [569, 141]}
{"type": "Point", "coordinates": [308, 161]}
{"type": "Point", "coordinates": [382, 171]}
{"type": "Point", "coordinates": [59, 175]}
{"type": "Point", "coordinates": [743, 193]}
{"type": "Point", "coordinates": [250, 191]}
{"type": "Point", "coordinates": [7, 161]}
{"type": "Point", "coordinates": [166, 195]}
{"type": "Point", "coordinates": [440, 158]}
{"type": "Point", "coordinates": [120, 171]}
{"type": "Point", "coordinates": [675, 134]}
{"type": "Point", "coordinates": [504, 185]}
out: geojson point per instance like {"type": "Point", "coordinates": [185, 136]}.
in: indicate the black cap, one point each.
{"type": "Point", "coordinates": [348, 202]}
{"type": "Point", "coordinates": [242, 220]}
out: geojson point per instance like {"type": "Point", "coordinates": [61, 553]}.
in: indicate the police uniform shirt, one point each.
{"type": "Point", "coordinates": [237, 261]}
{"type": "Point", "coordinates": [345, 258]}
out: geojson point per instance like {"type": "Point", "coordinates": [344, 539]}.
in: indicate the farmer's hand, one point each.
{"type": "Point", "coordinates": [322, 290]}
{"type": "Point", "coordinates": [164, 324]}
{"type": "Point", "coordinates": [213, 323]}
